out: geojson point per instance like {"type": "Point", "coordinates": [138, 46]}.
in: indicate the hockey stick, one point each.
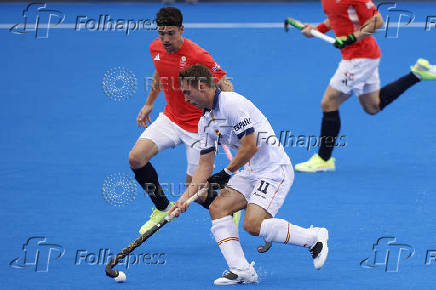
{"type": "Point", "coordinates": [136, 243]}
{"type": "Point", "coordinates": [267, 246]}
{"type": "Point", "coordinates": [297, 24]}
{"type": "Point", "coordinates": [264, 248]}
{"type": "Point", "coordinates": [228, 153]}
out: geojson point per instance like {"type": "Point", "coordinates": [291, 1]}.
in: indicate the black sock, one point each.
{"type": "Point", "coordinates": [331, 123]}
{"type": "Point", "coordinates": [393, 90]}
{"type": "Point", "coordinates": [148, 179]}
{"type": "Point", "coordinates": [211, 195]}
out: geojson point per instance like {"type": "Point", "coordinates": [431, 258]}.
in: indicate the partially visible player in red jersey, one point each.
{"type": "Point", "coordinates": [353, 22]}
{"type": "Point", "coordinates": [178, 123]}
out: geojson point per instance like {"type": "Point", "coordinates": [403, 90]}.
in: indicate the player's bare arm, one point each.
{"type": "Point", "coordinates": [225, 84]}
{"type": "Point", "coordinates": [245, 152]}
{"type": "Point", "coordinates": [144, 114]}
{"type": "Point", "coordinates": [202, 173]}
{"type": "Point", "coordinates": [370, 27]}
{"type": "Point", "coordinates": [308, 27]}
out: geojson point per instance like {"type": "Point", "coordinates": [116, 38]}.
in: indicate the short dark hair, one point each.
{"type": "Point", "coordinates": [197, 73]}
{"type": "Point", "coordinates": [169, 16]}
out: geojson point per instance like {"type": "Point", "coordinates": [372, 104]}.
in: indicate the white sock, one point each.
{"type": "Point", "coordinates": [227, 237]}
{"type": "Point", "coordinates": [281, 231]}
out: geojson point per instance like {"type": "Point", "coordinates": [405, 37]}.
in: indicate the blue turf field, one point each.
{"type": "Point", "coordinates": [60, 138]}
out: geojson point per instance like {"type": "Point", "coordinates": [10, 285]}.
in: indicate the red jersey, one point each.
{"type": "Point", "coordinates": [168, 66]}
{"type": "Point", "coordinates": [347, 16]}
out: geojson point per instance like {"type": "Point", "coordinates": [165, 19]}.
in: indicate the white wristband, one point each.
{"type": "Point", "coordinates": [227, 171]}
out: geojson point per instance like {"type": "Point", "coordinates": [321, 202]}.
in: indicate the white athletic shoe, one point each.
{"type": "Point", "coordinates": [319, 250]}
{"type": "Point", "coordinates": [238, 277]}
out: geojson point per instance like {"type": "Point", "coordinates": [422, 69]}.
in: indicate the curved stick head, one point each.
{"type": "Point", "coordinates": [111, 272]}
{"type": "Point", "coordinates": [264, 248]}
{"type": "Point", "coordinates": [286, 25]}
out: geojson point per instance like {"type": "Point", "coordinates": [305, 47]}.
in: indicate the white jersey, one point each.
{"type": "Point", "coordinates": [231, 118]}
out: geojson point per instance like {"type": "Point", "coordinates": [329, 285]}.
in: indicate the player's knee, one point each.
{"type": "Point", "coordinates": [371, 110]}
{"type": "Point", "coordinates": [135, 160]}
{"type": "Point", "coordinates": [217, 210]}
{"type": "Point", "coordinates": [252, 226]}
{"type": "Point", "coordinates": [328, 104]}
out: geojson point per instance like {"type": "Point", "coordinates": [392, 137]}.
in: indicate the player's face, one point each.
{"type": "Point", "coordinates": [171, 37]}
{"type": "Point", "coordinates": [194, 95]}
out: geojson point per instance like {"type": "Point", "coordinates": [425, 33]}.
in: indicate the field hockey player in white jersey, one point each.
{"type": "Point", "coordinates": [260, 187]}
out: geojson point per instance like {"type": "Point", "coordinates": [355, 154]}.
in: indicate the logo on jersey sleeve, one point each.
{"type": "Point", "coordinates": [157, 57]}
{"type": "Point", "coordinates": [369, 4]}
{"type": "Point", "coordinates": [216, 67]}
{"type": "Point", "coordinates": [241, 125]}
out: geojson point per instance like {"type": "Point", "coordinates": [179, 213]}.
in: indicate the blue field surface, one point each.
{"type": "Point", "coordinates": [61, 136]}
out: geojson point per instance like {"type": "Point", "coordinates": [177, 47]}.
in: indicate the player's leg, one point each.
{"type": "Point", "coordinates": [422, 70]}
{"type": "Point", "coordinates": [254, 216]}
{"type": "Point", "coordinates": [159, 136]}
{"type": "Point", "coordinates": [330, 126]}
{"type": "Point", "coordinates": [145, 174]}
{"type": "Point", "coordinates": [370, 102]}
{"type": "Point", "coordinates": [369, 95]}
{"type": "Point", "coordinates": [226, 233]}
{"type": "Point", "coordinates": [331, 122]}
{"type": "Point", "coordinates": [373, 99]}
{"type": "Point", "coordinates": [266, 199]}
{"type": "Point", "coordinates": [192, 159]}
{"type": "Point", "coordinates": [359, 76]}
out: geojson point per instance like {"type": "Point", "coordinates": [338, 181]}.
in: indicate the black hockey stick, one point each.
{"type": "Point", "coordinates": [136, 243]}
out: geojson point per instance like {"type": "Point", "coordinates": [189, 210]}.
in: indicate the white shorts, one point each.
{"type": "Point", "coordinates": [165, 134]}
{"type": "Point", "coordinates": [267, 190]}
{"type": "Point", "coordinates": [358, 76]}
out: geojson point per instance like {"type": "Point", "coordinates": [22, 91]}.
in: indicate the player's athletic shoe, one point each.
{"type": "Point", "coordinates": [238, 277]}
{"type": "Point", "coordinates": [424, 70]}
{"type": "Point", "coordinates": [155, 218]}
{"type": "Point", "coordinates": [319, 250]}
{"type": "Point", "coordinates": [316, 164]}
{"type": "Point", "coordinates": [236, 216]}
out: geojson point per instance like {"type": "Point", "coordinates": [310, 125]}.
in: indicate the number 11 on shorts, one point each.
{"type": "Point", "coordinates": [265, 188]}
